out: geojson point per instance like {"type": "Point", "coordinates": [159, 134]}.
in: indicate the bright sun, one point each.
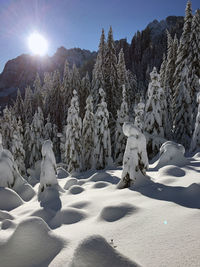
{"type": "Point", "coordinates": [37, 44]}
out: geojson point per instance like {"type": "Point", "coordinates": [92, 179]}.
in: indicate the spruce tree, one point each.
{"type": "Point", "coordinates": [182, 110]}
{"type": "Point", "coordinates": [120, 139]}
{"type": "Point", "coordinates": [139, 116]}
{"type": "Point", "coordinates": [28, 110]}
{"type": "Point", "coordinates": [84, 93]}
{"type": "Point", "coordinates": [154, 124]}
{"type": "Point", "coordinates": [195, 143]}
{"type": "Point", "coordinates": [98, 74]}
{"type": "Point", "coordinates": [73, 147]}
{"type": "Point", "coordinates": [102, 151]}
{"type": "Point", "coordinates": [88, 135]}
{"type": "Point", "coordinates": [19, 106]}
{"type": "Point", "coordinates": [37, 96]}
{"type": "Point", "coordinates": [67, 90]}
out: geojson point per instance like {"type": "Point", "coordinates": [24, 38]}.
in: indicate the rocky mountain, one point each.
{"type": "Point", "coordinates": [145, 51]}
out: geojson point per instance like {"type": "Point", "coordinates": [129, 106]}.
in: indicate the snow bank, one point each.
{"type": "Point", "coordinates": [9, 200]}
{"type": "Point", "coordinates": [61, 173]}
{"type": "Point", "coordinates": [171, 153]}
{"type": "Point", "coordinates": [49, 198]}
{"type": "Point", "coordinates": [32, 244]}
{"type": "Point", "coordinates": [95, 251]}
{"type": "Point", "coordinates": [70, 182]}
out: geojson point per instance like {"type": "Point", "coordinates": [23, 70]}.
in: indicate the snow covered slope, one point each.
{"type": "Point", "coordinates": [156, 224]}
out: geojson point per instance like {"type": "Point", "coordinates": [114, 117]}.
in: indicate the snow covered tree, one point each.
{"type": "Point", "coordinates": [98, 71]}
{"type": "Point", "coordinates": [28, 110]}
{"type": "Point", "coordinates": [6, 128]}
{"type": "Point", "coordinates": [84, 93]}
{"type": "Point", "coordinates": [102, 151]}
{"type": "Point", "coordinates": [48, 166]}
{"type": "Point", "coordinates": [37, 96]}
{"type": "Point", "coordinates": [182, 110]}
{"type": "Point", "coordinates": [135, 161]}
{"type": "Point", "coordinates": [73, 148]}
{"type": "Point", "coordinates": [48, 129]}
{"type": "Point", "coordinates": [17, 147]}
{"type": "Point", "coordinates": [55, 101]}
{"type": "Point", "coordinates": [195, 143]}
{"type": "Point", "coordinates": [88, 135]}
{"type": "Point", "coordinates": [67, 90]}
{"type": "Point", "coordinates": [19, 106]}
{"type": "Point", "coordinates": [154, 114]}
{"type": "Point", "coordinates": [120, 139]}
{"type": "Point", "coordinates": [139, 116]}
{"type": "Point", "coordinates": [47, 92]}
{"type": "Point", "coordinates": [27, 144]}
{"type": "Point", "coordinates": [76, 80]}
{"type": "Point", "coordinates": [112, 90]}
{"type": "Point", "coordinates": [37, 129]}
{"type": "Point", "coordinates": [163, 71]}
{"type": "Point", "coordinates": [194, 62]}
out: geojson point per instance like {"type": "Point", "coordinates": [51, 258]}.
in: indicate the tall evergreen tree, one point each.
{"type": "Point", "coordinates": [73, 147]}
{"type": "Point", "coordinates": [37, 97]}
{"type": "Point", "coordinates": [182, 110]}
{"type": "Point", "coordinates": [102, 151]}
{"type": "Point", "coordinates": [28, 104]}
{"type": "Point", "coordinates": [120, 139]}
{"type": "Point", "coordinates": [19, 105]}
{"type": "Point", "coordinates": [195, 143]}
{"type": "Point", "coordinates": [154, 122]}
{"type": "Point", "coordinates": [98, 73]}
{"type": "Point", "coordinates": [88, 135]}
{"type": "Point", "coordinates": [112, 90]}
{"type": "Point", "coordinates": [67, 89]}
{"type": "Point", "coordinates": [84, 93]}
{"type": "Point", "coordinates": [194, 62]}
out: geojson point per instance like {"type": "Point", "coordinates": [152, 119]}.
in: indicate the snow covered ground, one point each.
{"type": "Point", "coordinates": [156, 224]}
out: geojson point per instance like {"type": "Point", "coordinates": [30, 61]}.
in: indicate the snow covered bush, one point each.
{"type": "Point", "coordinates": [171, 153]}
{"type": "Point", "coordinates": [102, 151]}
{"type": "Point", "coordinates": [135, 161]}
{"type": "Point", "coordinates": [48, 193]}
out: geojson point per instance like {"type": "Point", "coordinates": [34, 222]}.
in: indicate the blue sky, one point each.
{"type": "Point", "coordinates": [76, 23]}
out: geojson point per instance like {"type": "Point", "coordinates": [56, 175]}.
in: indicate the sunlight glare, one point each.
{"type": "Point", "coordinates": [37, 44]}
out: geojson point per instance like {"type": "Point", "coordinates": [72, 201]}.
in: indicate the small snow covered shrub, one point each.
{"type": "Point", "coordinates": [135, 161]}
{"type": "Point", "coordinates": [171, 153]}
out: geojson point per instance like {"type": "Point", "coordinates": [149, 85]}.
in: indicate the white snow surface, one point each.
{"type": "Point", "coordinates": [154, 224]}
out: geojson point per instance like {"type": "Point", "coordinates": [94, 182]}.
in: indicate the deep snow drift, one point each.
{"type": "Point", "coordinates": [155, 223]}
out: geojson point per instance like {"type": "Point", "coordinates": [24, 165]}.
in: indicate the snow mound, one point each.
{"type": "Point", "coordinates": [61, 173]}
{"type": "Point", "coordinates": [76, 189]}
{"type": "Point", "coordinates": [115, 213]}
{"type": "Point", "coordinates": [104, 177]}
{"type": "Point", "coordinates": [9, 200]}
{"type": "Point", "coordinates": [70, 182]}
{"type": "Point", "coordinates": [173, 171]}
{"type": "Point", "coordinates": [32, 244]}
{"type": "Point", "coordinates": [6, 224]}
{"type": "Point", "coordinates": [67, 216]}
{"type": "Point", "coordinates": [100, 185]}
{"type": "Point", "coordinates": [171, 153]}
{"type": "Point", "coordinates": [35, 172]}
{"type": "Point", "coordinates": [24, 190]}
{"type": "Point", "coordinates": [49, 198]}
{"type": "Point", "coordinates": [95, 251]}
{"type": "Point", "coordinates": [80, 204]}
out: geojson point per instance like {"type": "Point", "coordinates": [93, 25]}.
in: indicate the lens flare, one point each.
{"type": "Point", "coordinates": [37, 44]}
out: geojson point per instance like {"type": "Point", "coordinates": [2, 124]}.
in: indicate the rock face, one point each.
{"type": "Point", "coordinates": [145, 51]}
{"type": "Point", "coordinates": [21, 71]}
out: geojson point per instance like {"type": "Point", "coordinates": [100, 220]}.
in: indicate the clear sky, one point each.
{"type": "Point", "coordinates": [77, 23]}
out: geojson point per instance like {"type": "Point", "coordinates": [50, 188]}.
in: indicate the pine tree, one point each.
{"type": "Point", "coordinates": [139, 116]}
{"type": "Point", "coordinates": [36, 137]}
{"type": "Point", "coordinates": [37, 97]}
{"type": "Point", "coordinates": [28, 110]}
{"type": "Point", "coordinates": [98, 73]}
{"type": "Point", "coordinates": [194, 62]}
{"type": "Point", "coordinates": [84, 93]}
{"type": "Point", "coordinates": [67, 90]}
{"type": "Point", "coordinates": [26, 143]}
{"type": "Point", "coordinates": [17, 146]}
{"type": "Point", "coordinates": [195, 143]}
{"type": "Point", "coordinates": [154, 124]}
{"type": "Point", "coordinates": [102, 151]}
{"type": "Point", "coordinates": [73, 148]}
{"type": "Point", "coordinates": [88, 135]}
{"type": "Point", "coordinates": [47, 92]}
{"type": "Point", "coordinates": [48, 129]}
{"type": "Point", "coordinates": [112, 90]}
{"type": "Point", "coordinates": [163, 71]}
{"type": "Point", "coordinates": [120, 139]}
{"type": "Point", "coordinates": [56, 102]}
{"type": "Point", "coordinates": [19, 105]}
{"type": "Point", "coordinates": [182, 110]}
{"type": "Point", "coordinates": [6, 128]}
